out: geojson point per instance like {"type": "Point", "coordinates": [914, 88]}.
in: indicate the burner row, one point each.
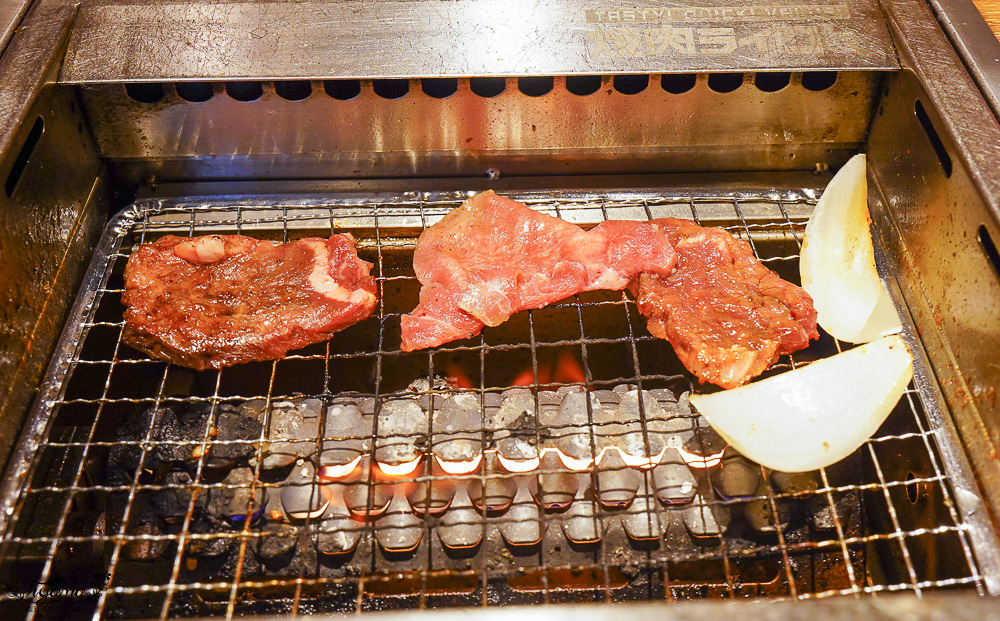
{"type": "Point", "coordinates": [610, 429]}
{"type": "Point", "coordinates": [439, 469]}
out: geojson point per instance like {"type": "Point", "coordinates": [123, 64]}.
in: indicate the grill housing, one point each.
{"type": "Point", "coordinates": [276, 146]}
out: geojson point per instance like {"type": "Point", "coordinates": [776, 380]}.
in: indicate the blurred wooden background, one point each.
{"type": "Point", "coordinates": [991, 11]}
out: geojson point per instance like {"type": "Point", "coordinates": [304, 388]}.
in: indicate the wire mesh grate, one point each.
{"type": "Point", "coordinates": [429, 532]}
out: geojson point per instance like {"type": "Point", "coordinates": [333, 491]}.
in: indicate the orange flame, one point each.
{"type": "Point", "coordinates": [458, 376]}
{"type": "Point", "coordinates": [391, 471]}
{"type": "Point", "coordinates": [565, 369]}
{"type": "Point", "coordinates": [568, 370]}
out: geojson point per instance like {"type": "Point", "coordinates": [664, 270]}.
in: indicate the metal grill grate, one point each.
{"type": "Point", "coordinates": [890, 517]}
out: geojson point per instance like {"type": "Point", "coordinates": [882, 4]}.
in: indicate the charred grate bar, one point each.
{"type": "Point", "coordinates": [351, 476]}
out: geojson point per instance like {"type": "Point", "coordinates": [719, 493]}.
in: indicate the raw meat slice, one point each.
{"type": "Point", "coordinates": [492, 257]}
{"type": "Point", "coordinates": [220, 300]}
{"type": "Point", "coordinates": [727, 315]}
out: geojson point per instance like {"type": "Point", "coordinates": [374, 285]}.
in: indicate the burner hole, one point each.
{"type": "Point", "coordinates": [676, 84]}
{"type": "Point", "coordinates": [145, 93]}
{"type": "Point", "coordinates": [583, 84]}
{"type": "Point", "coordinates": [535, 87]}
{"type": "Point", "coordinates": [819, 80]}
{"type": "Point", "coordinates": [439, 88]}
{"type": "Point", "coordinates": [725, 82]}
{"type": "Point", "coordinates": [342, 89]}
{"type": "Point", "coordinates": [772, 82]}
{"type": "Point", "coordinates": [244, 91]}
{"type": "Point", "coordinates": [630, 84]}
{"type": "Point", "coordinates": [912, 488]}
{"type": "Point", "coordinates": [293, 90]}
{"type": "Point", "coordinates": [990, 248]}
{"type": "Point", "coordinates": [195, 92]}
{"type": "Point", "coordinates": [925, 121]}
{"type": "Point", "coordinates": [487, 87]}
{"type": "Point", "coordinates": [391, 88]}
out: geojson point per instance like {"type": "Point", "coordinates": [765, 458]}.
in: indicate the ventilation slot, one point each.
{"type": "Point", "coordinates": [391, 88]}
{"type": "Point", "coordinates": [244, 91]}
{"type": "Point", "coordinates": [772, 82]}
{"type": "Point", "coordinates": [925, 121]}
{"type": "Point", "coordinates": [725, 82]}
{"type": "Point", "coordinates": [145, 93]}
{"type": "Point", "coordinates": [631, 84]}
{"type": "Point", "coordinates": [439, 88]}
{"type": "Point", "coordinates": [487, 87]}
{"type": "Point", "coordinates": [677, 84]}
{"type": "Point", "coordinates": [21, 161]}
{"type": "Point", "coordinates": [583, 84]}
{"type": "Point", "coordinates": [293, 90]}
{"type": "Point", "coordinates": [535, 87]}
{"type": "Point", "coordinates": [342, 89]}
{"type": "Point", "coordinates": [195, 92]}
{"type": "Point", "coordinates": [819, 80]}
{"type": "Point", "coordinates": [990, 248]}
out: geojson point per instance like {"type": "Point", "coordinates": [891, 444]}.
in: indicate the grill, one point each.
{"type": "Point", "coordinates": [468, 504]}
{"type": "Point", "coordinates": [554, 459]}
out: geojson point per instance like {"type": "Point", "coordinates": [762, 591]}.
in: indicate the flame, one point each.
{"type": "Point", "coordinates": [458, 376]}
{"type": "Point", "coordinates": [518, 465]}
{"type": "Point", "coordinates": [699, 461]}
{"type": "Point", "coordinates": [399, 470]}
{"type": "Point", "coordinates": [332, 473]}
{"type": "Point", "coordinates": [568, 370]}
{"type": "Point", "coordinates": [459, 467]}
{"type": "Point", "coordinates": [633, 461]}
{"type": "Point", "coordinates": [527, 377]}
{"type": "Point", "coordinates": [573, 463]}
{"type": "Point", "coordinates": [310, 515]}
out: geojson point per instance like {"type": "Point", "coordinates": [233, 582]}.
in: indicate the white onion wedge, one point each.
{"type": "Point", "coordinates": [837, 264]}
{"type": "Point", "coordinates": [816, 415]}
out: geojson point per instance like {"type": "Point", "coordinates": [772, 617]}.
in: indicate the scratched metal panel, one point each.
{"type": "Point", "coordinates": [126, 41]}
{"type": "Point", "coordinates": [559, 132]}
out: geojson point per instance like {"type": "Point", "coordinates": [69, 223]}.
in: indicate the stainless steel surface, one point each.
{"type": "Point", "coordinates": [811, 121]}
{"type": "Point", "coordinates": [279, 115]}
{"type": "Point", "coordinates": [11, 14]}
{"type": "Point", "coordinates": [137, 41]}
{"type": "Point", "coordinates": [908, 471]}
{"type": "Point", "coordinates": [975, 41]}
{"type": "Point", "coordinates": [47, 230]}
{"type": "Point", "coordinates": [929, 213]}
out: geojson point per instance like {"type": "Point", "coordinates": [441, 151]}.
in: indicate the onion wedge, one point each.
{"type": "Point", "coordinates": [837, 264]}
{"type": "Point", "coordinates": [816, 415]}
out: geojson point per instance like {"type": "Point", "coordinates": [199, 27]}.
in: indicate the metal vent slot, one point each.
{"type": "Point", "coordinates": [442, 88]}
{"type": "Point", "coordinates": [409, 518]}
{"type": "Point", "coordinates": [725, 82]}
{"type": "Point", "coordinates": [244, 91]}
{"type": "Point", "coordinates": [989, 247]}
{"type": "Point", "coordinates": [932, 135]}
{"type": "Point", "coordinates": [195, 92]}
